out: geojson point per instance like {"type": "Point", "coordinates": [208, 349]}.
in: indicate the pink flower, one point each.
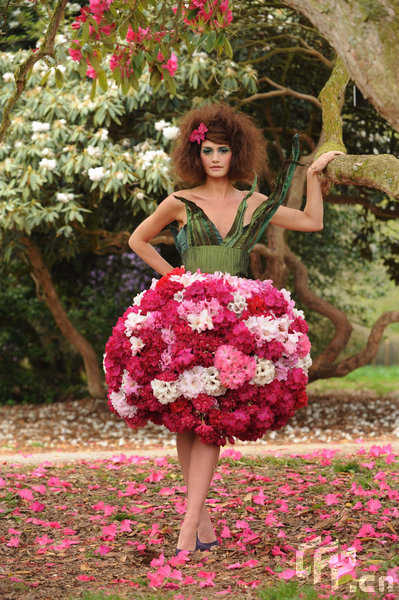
{"type": "Point", "coordinates": [198, 135]}
{"type": "Point", "coordinates": [75, 53]}
{"type": "Point", "coordinates": [91, 72]}
{"type": "Point", "coordinates": [171, 65]}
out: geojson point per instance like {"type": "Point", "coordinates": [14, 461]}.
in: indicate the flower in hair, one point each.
{"type": "Point", "coordinates": [198, 135]}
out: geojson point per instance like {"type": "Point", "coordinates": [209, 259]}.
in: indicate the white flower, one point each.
{"type": "Point", "coordinates": [104, 357]}
{"type": "Point", "coordinates": [18, 144]}
{"type": "Point", "coordinates": [60, 39]}
{"type": "Point", "coordinates": [46, 151]}
{"type": "Point", "coordinates": [48, 163]}
{"type": "Point", "coordinates": [133, 322]}
{"type": "Point", "coordinates": [38, 126]}
{"type": "Point", "coordinates": [170, 133]}
{"type": "Point", "coordinates": [8, 77]}
{"type": "Point", "coordinates": [140, 195]}
{"type": "Point", "coordinates": [304, 363]}
{"type": "Point", "coordinates": [159, 125]}
{"type": "Point", "coordinates": [265, 372]}
{"type": "Point", "coordinates": [213, 385]}
{"type": "Point", "coordinates": [137, 299]}
{"type": "Point", "coordinates": [238, 305]}
{"type": "Point", "coordinates": [264, 328]}
{"type": "Point", "coordinates": [201, 321]}
{"type": "Point", "coordinates": [192, 382]}
{"type": "Point", "coordinates": [136, 344]}
{"type": "Point", "coordinates": [298, 313]}
{"type": "Point", "coordinates": [94, 151]}
{"type": "Point", "coordinates": [119, 175]}
{"type": "Point", "coordinates": [64, 197]}
{"type": "Point", "coordinates": [118, 401]}
{"type": "Point", "coordinates": [61, 68]}
{"type": "Point", "coordinates": [178, 296]}
{"type": "Point", "coordinates": [96, 173]}
{"type": "Point", "coordinates": [165, 391]}
{"type": "Point", "coordinates": [103, 134]}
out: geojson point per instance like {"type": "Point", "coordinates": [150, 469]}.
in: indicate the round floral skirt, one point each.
{"type": "Point", "coordinates": [224, 356]}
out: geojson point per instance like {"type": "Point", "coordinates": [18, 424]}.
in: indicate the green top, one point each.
{"type": "Point", "coordinates": [200, 244]}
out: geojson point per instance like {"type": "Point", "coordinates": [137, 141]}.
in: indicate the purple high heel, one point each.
{"type": "Point", "coordinates": [205, 546]}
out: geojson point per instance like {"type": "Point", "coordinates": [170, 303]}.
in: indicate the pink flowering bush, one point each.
{"type": "Point", "coordinates": [224, 356]}
{"type": "Point", "coordinates": [131, 38]}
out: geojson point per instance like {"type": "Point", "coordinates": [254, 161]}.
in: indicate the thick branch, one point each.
{"type": "Point", "coordinates": [384, 213]}
{"type": "Point", "coordinates": [21, 73]}
{"type": "Point", "coordinates": [331, 97]}
{"type": "Point", "coordinates": [81, 345]}
{"type": "Point", "coordinates": [343, 328]}
{"type": "Point", "coordinates": [364, 357]}
{"type": "Point", "coordinates": [380, 172]}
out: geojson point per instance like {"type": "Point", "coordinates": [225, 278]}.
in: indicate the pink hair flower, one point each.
{"type": "Point", "coordinates": [198, 135]}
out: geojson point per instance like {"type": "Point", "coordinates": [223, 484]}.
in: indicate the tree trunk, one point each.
{"type": "Point", "coordinates": [81, 345]}
{"type": "Point", "coordinates": [365, 34]}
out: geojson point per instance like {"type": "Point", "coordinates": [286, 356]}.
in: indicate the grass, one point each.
{"type": "Point", "coordinates": [282, 591]}
{"type": "Point", "coordinates": [379, 379]}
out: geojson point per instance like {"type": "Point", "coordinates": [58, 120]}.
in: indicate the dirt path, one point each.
{"type": "Point", "coordinates": [248, 450]}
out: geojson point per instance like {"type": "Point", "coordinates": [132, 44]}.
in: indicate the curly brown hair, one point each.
{"type": "Point", "coordinates": [225, 126]}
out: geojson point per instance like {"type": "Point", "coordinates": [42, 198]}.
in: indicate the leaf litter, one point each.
{"type": "Point", "coordinates": [112, 525]}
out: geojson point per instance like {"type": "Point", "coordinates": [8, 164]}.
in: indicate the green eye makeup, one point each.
{"type": "Point", "coordinates": [222, 150]}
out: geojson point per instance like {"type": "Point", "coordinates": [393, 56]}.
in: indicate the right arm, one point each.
{"type": "Point", "coordinates": [169, 210]}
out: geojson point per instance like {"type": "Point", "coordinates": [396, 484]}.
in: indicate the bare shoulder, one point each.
{"type": "Point", "coordinates": [173, 206]}
{"type": "Point", "coordinates": [256, 199]}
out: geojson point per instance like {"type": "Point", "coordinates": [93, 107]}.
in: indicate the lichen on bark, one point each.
{"type": "Point", "coordinates": [331, 104]}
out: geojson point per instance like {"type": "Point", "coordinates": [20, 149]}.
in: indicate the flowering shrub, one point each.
{"type": "Point", "coordinates": [221, 355]}
{"type": "Point", "coordinates": [132, 38]}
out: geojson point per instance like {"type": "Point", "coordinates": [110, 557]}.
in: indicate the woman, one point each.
{"type": "Point", "coordinates": [218, 225]}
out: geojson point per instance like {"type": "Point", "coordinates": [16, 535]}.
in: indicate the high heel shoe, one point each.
{"type": "Point", "coordinates": [205, 546]}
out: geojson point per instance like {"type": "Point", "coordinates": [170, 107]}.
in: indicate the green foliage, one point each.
{"type": "Point", "coordinates": [37, 364]}
{"type": "Point", "coordinates": [381, 380]}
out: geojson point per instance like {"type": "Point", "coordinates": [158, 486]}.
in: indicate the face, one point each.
{"type": "Point", "coordinates": [215, 158]}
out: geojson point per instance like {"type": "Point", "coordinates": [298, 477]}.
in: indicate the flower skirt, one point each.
{"type": "Point", "coordinates": [224, 356]}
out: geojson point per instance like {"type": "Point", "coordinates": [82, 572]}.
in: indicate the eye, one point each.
{"type": "Point", "coordinates": [224, 150]}
{"type": "Point", "coordinates": [207, 150]}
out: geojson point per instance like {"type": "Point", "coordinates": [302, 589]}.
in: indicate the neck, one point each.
{"type": "Point", "coordinates": [220, 187]}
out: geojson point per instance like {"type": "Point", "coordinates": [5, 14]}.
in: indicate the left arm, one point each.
{"type": "Point", "coordinates": [311, 217]}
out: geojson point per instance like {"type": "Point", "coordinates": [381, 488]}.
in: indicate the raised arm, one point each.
{"type": "Point", "coordinates": [169, 210]}
{"type": "Point", "coordinates": [311, 217]}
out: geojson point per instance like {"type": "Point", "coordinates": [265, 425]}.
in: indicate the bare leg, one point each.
{"type": "Point", "coordinates": [203, 461]}
{"type": "Point", "coordinates": [184, 443]}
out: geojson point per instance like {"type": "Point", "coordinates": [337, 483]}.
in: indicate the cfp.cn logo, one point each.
{"type": "Point", "coordinates": [342, 565]}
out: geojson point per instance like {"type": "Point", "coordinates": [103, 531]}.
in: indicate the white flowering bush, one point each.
{"type": "Point", "coordinates": [66, 153]}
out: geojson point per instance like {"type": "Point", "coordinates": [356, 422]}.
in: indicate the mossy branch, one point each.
{"type": "Point", "coordinates": [331, 104]}
{"type": "Point", "coordinates": [22, 72]}
{"type": "Point", "coordinates": [380, 172]}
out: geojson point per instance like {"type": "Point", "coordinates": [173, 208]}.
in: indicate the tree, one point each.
{"type": "Point", "coordinates": [273, 47]}
{"type": "Point", "coordinates": [365, 35]}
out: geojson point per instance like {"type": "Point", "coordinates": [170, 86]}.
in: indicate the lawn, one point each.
{"type": "Point", "coordinates": [313, 526]}
{"type": "Point", "coordinates": [379, 379]}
